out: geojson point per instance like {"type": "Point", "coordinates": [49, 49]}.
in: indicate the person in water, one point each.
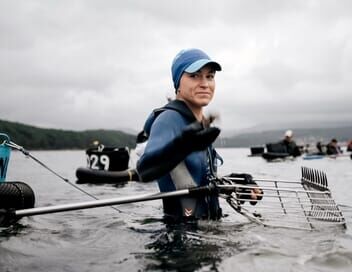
{"type": "Point", "coordinates": [320, 147]}
{"type": "Point", "coordinates": [332, 148]}
{"type": "Point", "coordinates": [349, 145]}
{"type": "Point", "coordinates": [290, 145]}
{"type": "Point", "coordinates": [179, 140]}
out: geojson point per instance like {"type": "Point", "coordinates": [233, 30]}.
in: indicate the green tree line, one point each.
{"type": "Point", "coordinates": [35, 138]}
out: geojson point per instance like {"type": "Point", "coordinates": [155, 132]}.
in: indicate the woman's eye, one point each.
{"type": "Point", "coordinates": [196, 76]}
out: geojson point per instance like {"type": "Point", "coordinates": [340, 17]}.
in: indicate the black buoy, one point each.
{"type": "Point", "coordinates": [108, 158]}
{"type": "Point", "coordinates": [14, 195]}
{"type": "Point", "coordinates": [87, 175]}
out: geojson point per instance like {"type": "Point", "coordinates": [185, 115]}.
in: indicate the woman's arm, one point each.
{"type": "Point", "coordinates": [169, 143]}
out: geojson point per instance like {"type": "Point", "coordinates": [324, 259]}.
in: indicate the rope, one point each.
{"type": "Point", "coordinates": [26, 152]}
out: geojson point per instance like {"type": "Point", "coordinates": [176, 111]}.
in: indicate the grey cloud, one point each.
{"type": "Point", "coordinates": [92, 64]}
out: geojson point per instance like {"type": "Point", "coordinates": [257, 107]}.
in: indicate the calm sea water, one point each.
{"type": "Point", "coordinates": [132, 238]}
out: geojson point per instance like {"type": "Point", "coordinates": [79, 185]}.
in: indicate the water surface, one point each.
{"type": "Point", "coordinates": [133, 238]}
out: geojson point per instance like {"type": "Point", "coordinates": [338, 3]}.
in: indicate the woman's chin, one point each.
{"type": "Point", "coordinates": [203, 101]}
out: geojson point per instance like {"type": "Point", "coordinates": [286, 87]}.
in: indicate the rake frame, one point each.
{"type": "Point", "coordinates": [305, 204]}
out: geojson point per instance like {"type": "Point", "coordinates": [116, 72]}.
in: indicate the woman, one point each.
{"type": "Point", "coordinates": [179, 150]}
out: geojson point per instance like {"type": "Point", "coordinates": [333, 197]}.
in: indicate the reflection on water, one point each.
{"type": "Point", "coordinates": [192, 247]}
{"type": "Point", "coordinates": [181, 248]}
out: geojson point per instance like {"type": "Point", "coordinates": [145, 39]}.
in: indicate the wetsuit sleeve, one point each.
{"type": "Point", "coordinates": [169, 144]}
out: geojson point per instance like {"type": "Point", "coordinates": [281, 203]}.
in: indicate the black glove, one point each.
{"type": "Point", "coordinates": [196, 138]}
{"type": "Point", "coordinates": [193, 138]}
{"type": "Point", "coordinates": [245, 193]}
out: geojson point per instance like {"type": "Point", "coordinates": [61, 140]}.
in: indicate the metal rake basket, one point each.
{"type": "Point", "coordinates": [306, 204]}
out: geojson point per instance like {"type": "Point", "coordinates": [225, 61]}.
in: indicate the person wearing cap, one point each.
{"type": "Point", "coordinates": [290, 145]}
{"type": "Point", "coordinates": [179, 151]}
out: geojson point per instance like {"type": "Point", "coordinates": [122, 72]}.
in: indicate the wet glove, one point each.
{"type": "Point", "coordinates": [245, 193]}
{"type": "Point", "coordinates": [194, 138]}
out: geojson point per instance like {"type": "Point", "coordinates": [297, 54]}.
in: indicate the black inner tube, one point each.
{"type": "Point", "coordinates": [14, 195]}
{"type": "Point", "coordinates": [87, 175]}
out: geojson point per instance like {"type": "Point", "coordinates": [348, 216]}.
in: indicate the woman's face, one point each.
{"type": "Point", "coordinates": [197, 89]}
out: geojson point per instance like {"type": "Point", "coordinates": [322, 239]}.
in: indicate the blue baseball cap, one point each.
{"type": "Point", "coordinates": [190, 61]}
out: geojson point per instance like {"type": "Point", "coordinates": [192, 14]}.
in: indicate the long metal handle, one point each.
{"type": "Point", "coordinates": [98, 203]}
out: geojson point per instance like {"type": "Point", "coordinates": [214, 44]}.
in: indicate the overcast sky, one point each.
{"type": "Point", "coordinates": [106, 64]}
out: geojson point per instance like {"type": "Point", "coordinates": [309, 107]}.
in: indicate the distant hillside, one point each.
{"type": "Point", "coordinates": [31, 137]}
{"type": "Point", "coordinates": [282, 126]}
{"type": "Point", "coordinates": [301, 136]}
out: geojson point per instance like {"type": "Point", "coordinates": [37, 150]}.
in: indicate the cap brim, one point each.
{"type": "Point", "coordinates": [199, 64]}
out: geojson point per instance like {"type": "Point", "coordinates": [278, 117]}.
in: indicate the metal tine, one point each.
{"type": "Point", "coordinates": [304, 171]}
{"type": "Point", "coordinates": [307, 174]}
{"type": "Point", "coordinates": [326, 180]}
{"type": "Point", "coordinates": [321, 182]}
{"type": "Point", "coordinates": [321, 178]}
{"type": "Point", "coordinates": [317, 177]}
{"type": "Point", "coordinates": [311, 177]}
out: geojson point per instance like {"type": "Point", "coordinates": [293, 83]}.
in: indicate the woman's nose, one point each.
{"type": "Point", "coordinates": [204, 81]}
